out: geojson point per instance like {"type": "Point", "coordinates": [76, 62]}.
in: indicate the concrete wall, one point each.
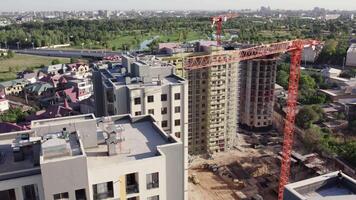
{"type": "Point", "coordinates": [65, 175]}
{"type": "Point", "coordinates": [175, 174]}
{"type": "Point", "coordinates": [98, 93]}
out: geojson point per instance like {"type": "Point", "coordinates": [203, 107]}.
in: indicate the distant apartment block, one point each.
{"type": "Point", "coordinates": [310, 54]}
{"type": "Point", "coordinates": [332, 186]}
{"type": "Point", "coordinates": [258, 78]}
{"type": "Point", "coordinates": [83, 157]}
{"type": "Point", "coordinates": [351, 56]}
{"type": "Point", "coordinates": [143, 86]}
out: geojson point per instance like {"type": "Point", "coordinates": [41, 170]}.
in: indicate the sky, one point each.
{"type": "Point", "coordinates": [42, 5]}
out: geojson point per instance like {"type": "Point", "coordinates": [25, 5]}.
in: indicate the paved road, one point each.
{"type": "Point", "coordinates": [96, 54]}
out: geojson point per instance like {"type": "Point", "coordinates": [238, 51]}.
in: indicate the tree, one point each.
{"type": "Point", "coordinates": [352, 126]}
{"type": "Point", "coordinates": [307, 82]}
{"type": "Point", "coordinates": [10, 54]}
{"type": "Point", "coordinates": [14, 115]}
{"type": "Point", "coordinates": [74, 60]}
{"type": "Point", "coordinates": [306, 117]}
{"type": "Point", "coordinates": [282, 79]}
{"type": "Point", "coordinates": [55, 62]}
{"type": "Point", "coordinates": [312, 137]}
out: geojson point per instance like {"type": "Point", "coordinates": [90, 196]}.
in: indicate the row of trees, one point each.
{"type": "Point", "coordinates": [308, 85]}
{"type": "Point", "coordinates": [94, 33]}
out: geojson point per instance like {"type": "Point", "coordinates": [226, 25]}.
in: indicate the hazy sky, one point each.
{"type": "Point", "coordinates": [24, 5]}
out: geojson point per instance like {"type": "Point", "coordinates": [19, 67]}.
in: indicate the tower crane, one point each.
{"type": "Point", "coordinates": [218, 21]}
{"type": "Point", "coordinates": [295, 48]}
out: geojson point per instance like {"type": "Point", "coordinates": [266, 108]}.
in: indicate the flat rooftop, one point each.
{"type": "Point", "coordinates": [9, 168]}
{"type": "Point", "coordinates": [328, 186]}
{"type": "Point", "coordinates": [140, 141]}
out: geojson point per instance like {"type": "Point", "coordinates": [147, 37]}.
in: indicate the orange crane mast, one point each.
{"type": "Point", "coordinates": [218, 21]}
{"type": "Point", "coordinates": [295, 48]}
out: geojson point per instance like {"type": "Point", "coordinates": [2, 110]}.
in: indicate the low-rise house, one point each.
{"type": "Point", "coordinates": [330, 72]}
{"type": "Point", "coordinates": [78, 70]}
{"type": "Point", "coordinates": [54, 69]}
{"type": "Point", "coordinates": [310, 54]}
{"type": "Point", "coordinates": [13, 87]}
{"type": "Point", "coordinates": [53, 111]}
{"type": "Point", "coordinates": [54, 80]}
{"type": "Point", "coordinates": [4, 105]}
{"type": "Point", "coordinates": [346, 90]}
{"type": "Point", "coordinates": [83, 88]}
{"type": "Point", "coordinates": [350, 108]}
{"type": "Point", "coordinates": [38, 89]}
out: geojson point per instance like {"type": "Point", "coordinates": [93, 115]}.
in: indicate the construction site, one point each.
{"type": "Point", "coordinates": [251, 170]}
{"type": "Point", "coordinates": [228, 89]}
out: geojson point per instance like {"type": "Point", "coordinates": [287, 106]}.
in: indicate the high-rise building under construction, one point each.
{"type": "Point", "coordinates": [213, 94]}
{"type": "Point", "coordinates": [221, 97]}
{"type": "Point", "coordinates": [257, 85]}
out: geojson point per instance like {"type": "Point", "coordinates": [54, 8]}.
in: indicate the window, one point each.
{"type": "Point", "coordinates": [177, 96]}
{"type": "Point", "coordinates": [137, 101]}
{"type": "Point", "coordinates": [80, 194]}
{"type": "Point", "coordinates": [151, 111]}
{"type": "Point", "coordinates": [177, 109]}
{"type": "Point", "coordinates": [103, 191]}
{"type": "Point", "coordinates": [150, 99]}
{"type": "Point", "coordinates": [30, 192]}
{"type": "Point", "coordinates": [132, 183]}
{"type": "Point", "coordinates": [152, 180]}
{"type": "Point", "coordinates": [138, 113]}
{"type": "Point", "coordinates": [164, 124]}
{"type": "Point", "coordinates": [153, 198]}
{"type": "Point", "coordinates": [177, 122]}
{"type": "Point", "coordinates": [177, 134]}
{"type": "Point", "coordinates": [61, 196]}
{"type": "Point", "coordinates": [8, 194]}
{"type": "Point", "coordinates": [163, 97]}
{"type": "Point", "coordinates": [164, 110]}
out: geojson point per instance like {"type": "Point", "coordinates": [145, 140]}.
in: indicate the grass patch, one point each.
{"type": "Point", "coordinates": [9, 67]}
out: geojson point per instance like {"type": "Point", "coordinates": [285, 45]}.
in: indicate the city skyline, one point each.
{"type": "Point", "coordinates": [43, 5]}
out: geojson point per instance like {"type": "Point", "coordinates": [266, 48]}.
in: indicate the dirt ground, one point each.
{"type": "Point", "coordinates": [211, 186]}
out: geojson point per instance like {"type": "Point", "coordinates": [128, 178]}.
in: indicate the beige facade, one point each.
{"type": "Point", "coordinates": [213, 108]}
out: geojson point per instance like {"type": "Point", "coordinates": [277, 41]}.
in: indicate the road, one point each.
{"type": "Point", "coordinates": [95, 54]}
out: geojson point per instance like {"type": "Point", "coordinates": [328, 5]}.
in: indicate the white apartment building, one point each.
{"type": "Point", "coordinates": [88, 158]}
{"type": "Point", "coordinates": [143, 86]}
{"type": "Point", "coordinates": [351, 56]}
{"type": "Point", "coordinates": [311, 54]}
